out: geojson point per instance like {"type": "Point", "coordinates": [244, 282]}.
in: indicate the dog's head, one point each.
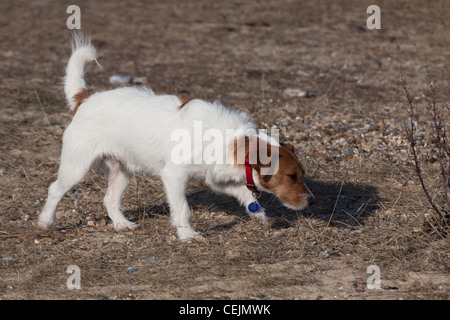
{"type": "Point", "coordinates": [281, 173]}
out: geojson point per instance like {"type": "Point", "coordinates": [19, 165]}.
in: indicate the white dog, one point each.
{"type": "Point", "coordinates": [131, 129]}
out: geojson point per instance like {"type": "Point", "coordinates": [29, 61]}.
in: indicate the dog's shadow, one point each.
{"type": "Point", "coordinates": [339, 204]}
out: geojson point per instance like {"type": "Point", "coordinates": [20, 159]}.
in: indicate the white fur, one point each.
{"type": "Point", "coordinates": [129, 130]}
{"type": "Point", "coordinates": [82, 53]}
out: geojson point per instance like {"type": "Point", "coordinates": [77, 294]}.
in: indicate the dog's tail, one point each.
{"type": "Point", "coordinates": [75, 87]}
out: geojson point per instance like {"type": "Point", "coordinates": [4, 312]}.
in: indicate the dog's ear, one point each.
{"type": "Point", "coordinates": [241, 149]}
{"type": "Point", "coordinates": [287, 145]}
{"type": "Point", "coordinates": [267, 163]}
{"type": "Point", "coordinates": [259, 153]}
{"type": "Point", "coordinates": [290, 147]}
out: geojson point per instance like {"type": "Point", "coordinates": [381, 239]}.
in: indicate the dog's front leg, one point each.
{"type": "Point", "coordinates": [180, 213]}
{"type": "Point", "coordinates": [245, 198]}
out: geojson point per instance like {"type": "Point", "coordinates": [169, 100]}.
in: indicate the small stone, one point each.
{"type": "Point", "coordinates": [276, 233]}
{"type": "Point", "coordinates": [6, 258]}
{"type": "Point", "coordinates": [232, 254]}
{"type": "Point", "coordinates": [131, 269]}
{"type": "Point", "coordinates": [121, 79]}
{"type": "Point", "coordinates": [295, 93]}
{"type": "Point", "coordinates": [139, 80]}
{"type": "Point", "coordinates": [150, 259]}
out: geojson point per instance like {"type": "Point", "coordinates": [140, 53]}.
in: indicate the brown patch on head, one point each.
{"type": "Point", "coordinates": [287, 183]}
{"type": "Point", "coordinates": [240, 150]}
{"type": "Point", "coordinates": [79, 98]}
{"type": "Point", "coordinates": [184, 101]}
{"type": "Point", "coordinates": [285, 172]}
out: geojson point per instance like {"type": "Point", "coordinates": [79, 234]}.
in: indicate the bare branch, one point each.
{"type": "Point", "coordinates": [439, 135]}
{"type": "Point", "coordinates": [410, 136]}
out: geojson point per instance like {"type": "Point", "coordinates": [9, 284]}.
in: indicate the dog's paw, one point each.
{"type": "Point", "coordinates": [261, 218]}
{"type": "Point", "coordinates": [44, 223]}
{"type": "Point", "coordinates": [188, 234]}
{"type": "Point", "coordinates": [125, 225]}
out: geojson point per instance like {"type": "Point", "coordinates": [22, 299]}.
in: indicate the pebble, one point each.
{"type": "Point", "coordinates": [295, 93]}
{"type": "Point", "coordinates": [131, 269]}
{"type": "Point", "coordinates": [121, 79]}
{"type": "Point", "coordinates": [139, 80]}
{"type": "Point", "coordinates": [6, 258]}
{"type": "Point", "coordinates": [232, 254]}
{"type": "Point", "coordinates": [220, 273]}
{"type": "Point", "coordinates": [276, 233]}
{"type": "Point", "coordinates": [150, 259]}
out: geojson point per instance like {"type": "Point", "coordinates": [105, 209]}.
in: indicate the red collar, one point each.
{"type": "Point", "coordinates": [249, 176]}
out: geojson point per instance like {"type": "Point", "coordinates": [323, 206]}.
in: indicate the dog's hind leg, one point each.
{"type": "Point", "coordinates": [118, 180]}
{"type": "Point", "coordinates": [73, 167]}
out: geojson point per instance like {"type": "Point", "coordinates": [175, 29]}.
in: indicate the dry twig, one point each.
{"type": "Point", "coordinates": [438, 140]}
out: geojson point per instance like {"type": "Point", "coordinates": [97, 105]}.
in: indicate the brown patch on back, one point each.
{"type": "Point", "coordinates": [79, 98]}
{"type": "Point", "coordinates": [184, 101]}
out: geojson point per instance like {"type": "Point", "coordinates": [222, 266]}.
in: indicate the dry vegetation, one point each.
{"type": "Point", "coordinates": [349, 132]}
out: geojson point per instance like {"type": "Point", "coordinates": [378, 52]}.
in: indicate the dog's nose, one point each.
{"type": "Point", "coordinates": [311, 200]}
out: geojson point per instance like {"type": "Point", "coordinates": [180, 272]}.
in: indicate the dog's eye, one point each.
{"type": "Point", "coordinates": [293, 177]}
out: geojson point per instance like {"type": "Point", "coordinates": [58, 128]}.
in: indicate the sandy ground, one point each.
{"type": "Point", "coordinates": [348, 132]}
